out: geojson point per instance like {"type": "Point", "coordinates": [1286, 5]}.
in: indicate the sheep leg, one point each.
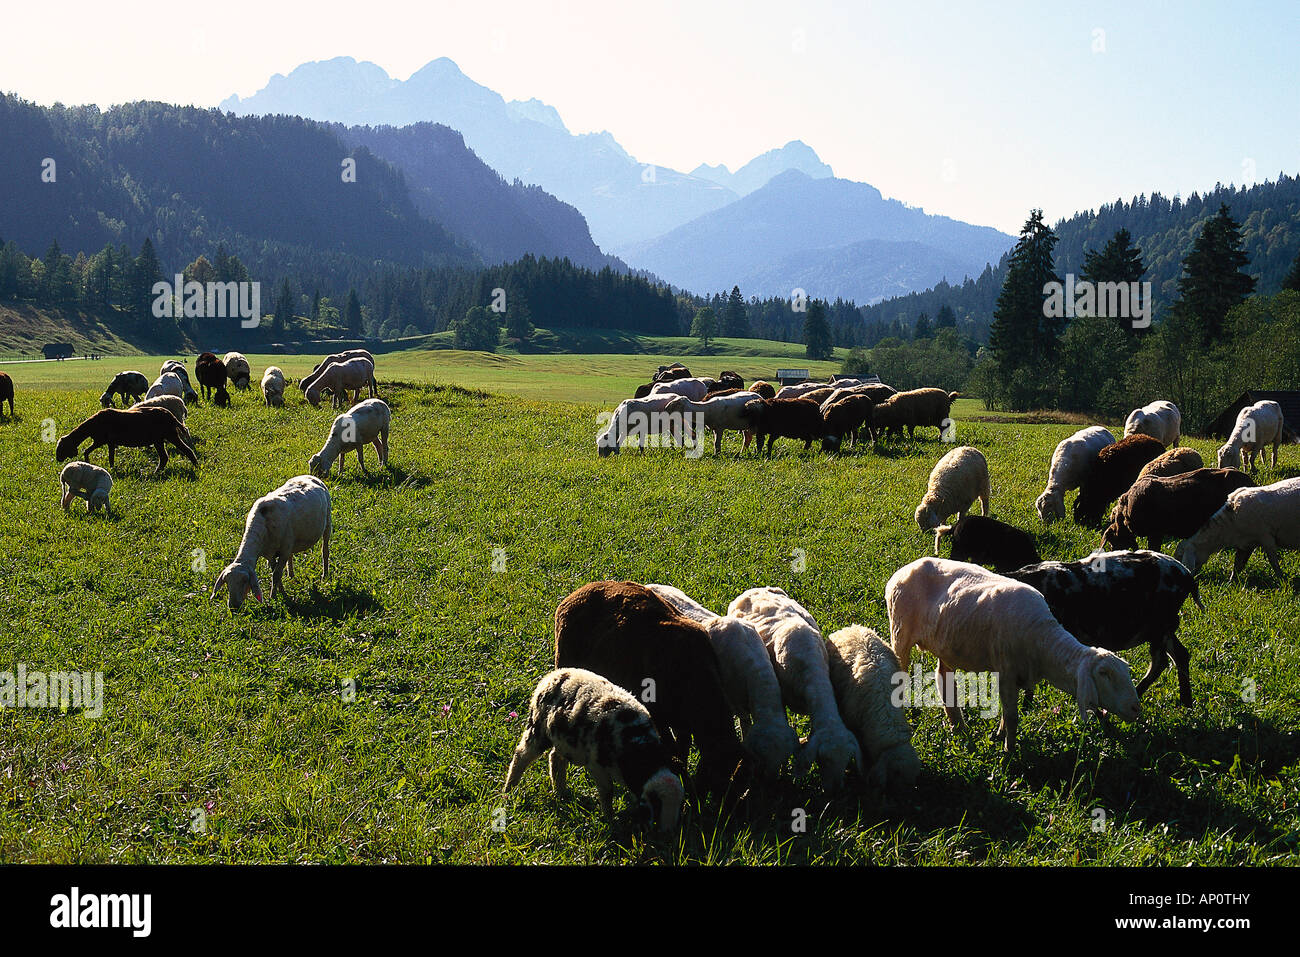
{"type": "Point", "coordinates": [1159, 661]}
{"type": "Point", "coordinates": [67, 497]}
{"type": "Point", "coordinates": [559, 768]}
{"type": "Point", "coordinates": [362, 458]}
{"type": "Point", "coordinates": [1181, 659]}
{"type": "Point", "coordinates": [1239, 563]}
{"type": "Point", "coordinates": [1270, 551]}
{"type": "Point", "coordinates": [162, 456]}
{"type": "Point", "coordinates": [289, 565]}
{"type": "Point", "coordinates": [604, 782]}
{"type": "Point", "coordinates": [530, 748]}
{"type": "Point", "coordinates": [277, 576]}
{"type": "Point", "coordinates": [325, 550]}
{"type": "Point", "coordinates": [1007, 693]}
{"type": "Point", "coordinates": [948, 694]}
{"type": "Point", "coordinates": [717, 441]}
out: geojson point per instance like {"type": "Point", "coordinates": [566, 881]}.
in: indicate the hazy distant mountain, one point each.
{"type": "Point", "coordinates": [452, 186]}
{"type": "Point", "coordinates": [831, 237]}
{"type": "Point", "coordinates": [759, 171]}
{"type": "Point", "coordinates": [623, 200]}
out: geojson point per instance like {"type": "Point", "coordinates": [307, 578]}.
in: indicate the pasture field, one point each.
{"type": "Point", "coordinates": [239, 738]}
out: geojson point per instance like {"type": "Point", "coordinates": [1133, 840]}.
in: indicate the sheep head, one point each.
{"type": "Point", "coordinates": [239, 581]}
{"type": "Point", "coordinates": [661, 800]}
{"type": "Point", "coordinates": [1050, 507]}
{"type": "Point", "coordinates": [66, 449]}
{"type": "Point", "coordinates": [1186, 554]}
{"type": "Point", "coordinates": [314, 466]}
{"type": "Point", "coordinates": [1228, 457]}
{"type": "Point", "coordinates": [98, 500]}
{"type": "Point", "coordinates": [1104, 682]}
{"type": "Point", "coordinates": [770, 746]}
{"type": "Point", "coordinates": [926, 518]}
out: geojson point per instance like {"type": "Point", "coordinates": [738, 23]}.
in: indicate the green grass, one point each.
{"type": "Point", "coordinates": [245, 715]}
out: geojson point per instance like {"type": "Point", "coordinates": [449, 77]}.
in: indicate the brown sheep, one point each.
{"type": "Point", "coordinates": [789, 418]}
{"type": "Point", "coordinates": [1176, 506]}
{"type": "Point", "coordinates": [1174, 462]}
{"type": "Point", "coordinates": [765, 389]}
{"type": "Point", "coordinates": [1111, 474]}
{"type": "Point", "coordinates": [211, 373]}
{"type": "Point", "coordinates": [845, 417]}
{"type": "Point", "coordinates": [630, 635]}
{"type": "Point", "coordinates": [919, 408]}
{"type": "Point", "coordinates": [132, 428]}
{"type": "Point", "coordinates": [7, 392]}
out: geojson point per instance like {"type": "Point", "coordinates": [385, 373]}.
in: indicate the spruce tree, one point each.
{"type": "Point", "coordinates": [1292, 280]}
{"type": "Point", "coordinates": [737, 322]}
{"type": "Point", "coordinates": [1023, 338]}
{"type": "Point", "coordinates": [1212, 280]}
{"type": "Point", "coordinates": [817, 332]}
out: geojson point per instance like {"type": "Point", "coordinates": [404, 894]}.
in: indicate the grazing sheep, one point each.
{"type": "Point", "coordinates": [1160, 507]}
{"type": "Point", "coordinates": [273, 386]}
{"type": "Point", "coordinates": [1258, 426]}
{"type": "Point", "coordinates": [627, 633]}
{"type": "Point", "coordinates": [800, 389]}
{"type": "Point", "coordinates": [981, 540]}
{"type": "Point", "coordinates": [1113, 471]}
{"type": "Point", "coordinates": [586, 720]}
{"type": "Point", "coordinates": [973, 619]}
{"type": "Point", "coordinates": [845, 417]}
{"type": "Point", "coordinates": [802, 666]}
{"type": "Point", "coordinates": [131, 428]}
{"type": "Point", "coordinates": [168, 383]}
{"type": "Point", "coordinates": [789, 418]}
{"type": "Point", "coordinates": [1267, 517]}
{"type": "Point", "coordinates": [238, 370]}
{"type": "Point", "coordinates": [863, 673]}
{"type": "Point", "coordinates": [1070, 464]}
{"type": "Point", "coordinates": [339, 378]}
{"type": "Point", "coordinates": [6, 393]}
{"type": "Point", "coordinates": [365, 422]}
{"type": "Point", "coordinates": [919, 408]}
{"type": "Point", "coordinates": [1174, 462]}
{"type": "Point", "coordinates": [694, 389]}
{"type": "Point", "coordinates": [748, 680]}
{"type": "Point", "coordinates": [280, 524]}
{"type": "Point", "coordinates": [175, 406]}
{"type": "Point", "coordinates": [171, 365]}
{"type": "Point", "coordinates": [83, 480]}
{"type": "Point", "coordinates": [211, 373]}
{"type": "Point", "coordinates": [638, 419]}
{"type": "Point", "coordinates": [306, 381]}
{"type": "Point", "coordinates": [670, 373]}
{"type": "Point", "coordinates": [1160, 419]}
{"type": "Point", "coordinates": [956, 481]}
{"type": "Point", "coordinates": [129, 385]}
{"type": "Point", "coordinates": [717, 414]}
{"type": "Point", "coordinates": [1118, 601]}
{"type": "Point", "coordinates": [765, 389]}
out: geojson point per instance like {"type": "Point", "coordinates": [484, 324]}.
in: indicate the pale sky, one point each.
{"type": "Point", "coordinates": [978, 111]}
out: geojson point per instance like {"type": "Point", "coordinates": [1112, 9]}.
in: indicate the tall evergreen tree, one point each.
{"type": "Point", "coordinates": [145, 271]}
{"type": "Point", "coordinates": [737, 320]}
{"type": "Point", "coordinates": [352, 314]}
{"type": "Point", "coordinates": [1118, 261]}
{"type": "Point", "coordinates": [1292, 280]}
{"type": "Point", "coordinates": [1023, 337]}
{"type": "Point", "coordinates": [1212, 280]}
{"type": "Point", "coordinates": [282, 322]}
{"type": "Point", "coordinates": [946, 319]}
{"type": "Point", "coordinates": [817, 332]}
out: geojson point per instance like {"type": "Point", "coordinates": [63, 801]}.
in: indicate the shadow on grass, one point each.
{"type": "Point", "coordinates": [339, 601]}
{"type": "Point", "coordinates": [386, 477]}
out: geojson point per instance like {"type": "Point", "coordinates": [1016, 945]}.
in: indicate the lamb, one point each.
{"type": "Point", "coordinates": [351, 374]}
{"type": "Point", "coordinates": [1174, 462]}
{"type": "Point", "coordinates": [863, 673]}
{"type": "Point", "coordinates": [172, 404]}
{"type": "Point", "coordinates": [1113, 471]}
{"type": "Point", "coordinates": [972, 619]}
{"type": "Point", "coordinates": [919, 408]}
{"type": "Point", "coordinates": [1160, 419]}
{"type": "Point", "coordinates": [764, 389]}
{"type": "Point", "coordinates": [366, 421]}
{"type": "Point", "coordinates": [129, 385]}
{"type": "Point", "coordinates": [800, 389]}
{"type": "Point", "coordinates": [639, 419]}
{"type": "Point", "coordinates": [238, 370]}
{"type": "Point", "coordinates": [748, 680]}
{"type": "Point", "coordinates": [171, 365]}
{"type": "Point", "coordinates": [83, 480]}
{"type": "Point", "coordinates": [1267, 517]}
{"type": "Point", "coordinates": [587, 720]}
{"type": "Point", "coordinates": [845, 417]}
{"type": "Point", "coordinates": [211, 373]}
{"type": "Point", "coordinates": [956, 481]}
{"type": "Point", "coordinates": [6, 393]}
{"type": "Point", "coordinates": [167, 384]}
{"type": "Point", "coordinates": [306, 381]}
{"type": "Point", "coordinates": [694, 389]}
{"type": "Point", "coordinates": [716, 414]}
{"type": "Point", "coordinates": [1258, 426]}
{"type": "Point", "coordinates": [273, 386]}
{"type": "Point", "coordinates": [792, 418]}
{"type": "Point", "coordinates": [986, 541]}
{"type": "Point", "coordinates": [132, 428]}
{"type": "Point", "coordinates": [802, 664]}
{"type": "Point", "coordinates": [627, 633]}
{"type": "Point", "coordinates": [280, 524]}
{"type": "Point", "coordinates": [1160, 507]}
{"type": "Point", "coordinates": [1071, 461]}
{"type": "Point", "coordinates": [1121, 600]}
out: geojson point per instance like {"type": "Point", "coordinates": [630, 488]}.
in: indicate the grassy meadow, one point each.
{"type": "Point", "coordinates": [370, 718]}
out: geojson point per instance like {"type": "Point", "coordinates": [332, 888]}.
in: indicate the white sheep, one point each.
{"type": "Point", "coordinates": [589, 721]}
{"type": "Point", "coordinates": [289, 520]}
{"type": "Point", "coordinates": [1266, 517]}
{"type": "Point", "coordinates": [799, 657]}
{"type": "Point", "coordinates": [305, 382]}
{"type": "Point", "coordinates": [171, 365]}
{"type": "Point", "coordinates": [238, 370]}
{"type": "Point", "coordinates": [717, 415]}
{"type": "Point", "coordinates": [169, 383]}
{"type": "Point", "coordinates": [340, 378]}
{"type": "Point", "coordinates": [956, 481]}
{"type": "Point", "coordinates": [83, 480]}
{"type": "Point", "coordinates": [1160, 420]}
{"type": "Point", "coordinates": [366, 422]}
{"type": "Point", "coordinates": [864, 674]}
{"type": "Point", "coordinates": [638, 419]}
{"type": "Point", "coordinates": [1070, 463]}
{"type": "Point", "coordinates": [273, 386]}
{"type": "Point", "coordinates": [974, 620]}
{"type": "Point", "coordinates": [748, 679]}
{"type": "Point", "coordinates": [799, 388]}
{"type": "Point", "coordinates": [694, 388]}
{"type": "Point", "coordinates": [1258, 426]}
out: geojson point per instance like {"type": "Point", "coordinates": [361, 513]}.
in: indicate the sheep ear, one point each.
{"type": "Point", "coordinates": [221, 580]}
{"type": "Point", "coordinates": [256, 587]}
{"type": "Point", "coordinates": [1085, 693]}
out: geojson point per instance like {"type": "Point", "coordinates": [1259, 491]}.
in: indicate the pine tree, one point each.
{"type": "Point", "coordinates": [817, 332]}
{"type": "Point", "coordinates": [1292, 280]}
{"type": "Point", "coordinates": [1212, 280]}
{"type": "Point", "coordinates": [737, 321]}
{"type": "Point", "coordinates": [1023, 338]}
{"type": "Point", "coordinates": [946, 319]}
{"type": "Point", "coordinates": [922, 329]}
{"type": "Point", "coordinates": [282, 323]}
{"type": "Point", "coordinates": [352, 314]}
{"type": "Point", "coordinates": [144, 273]}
